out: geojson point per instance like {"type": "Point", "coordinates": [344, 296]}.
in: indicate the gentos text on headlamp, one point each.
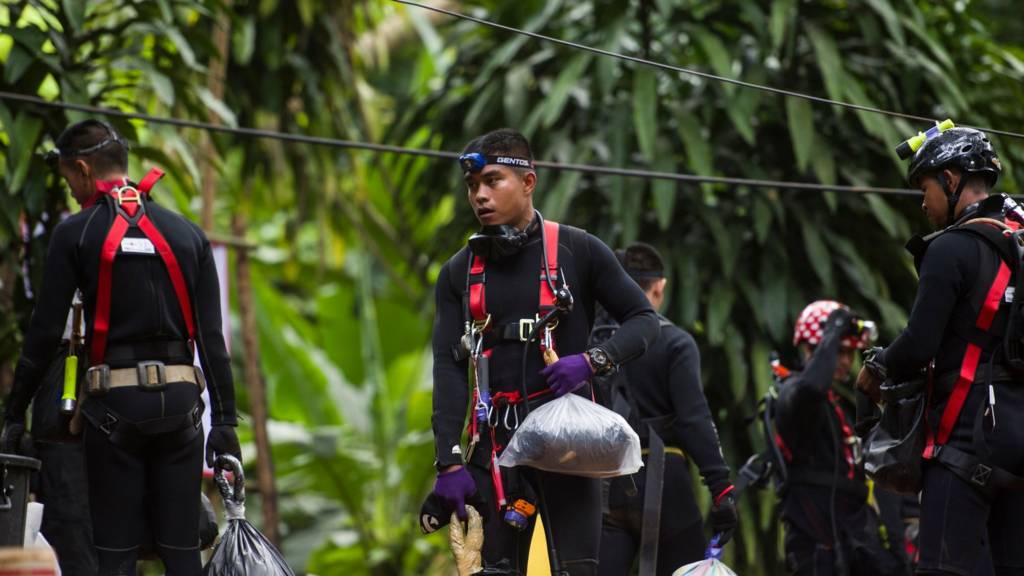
{"type": "Point", "coordinates": [474, 162]}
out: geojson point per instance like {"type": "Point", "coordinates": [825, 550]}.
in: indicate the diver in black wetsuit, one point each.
{"type": "Point", "coordinates": [152, 300]}
{"type": "Point", "coordinates": [494, 284]}
{"type": "Point", "coordinates": [664, 388]}
{"type": "Point", "coordinates": [830, 528]}
{"type": "Point", "coordinates": [975, 432]}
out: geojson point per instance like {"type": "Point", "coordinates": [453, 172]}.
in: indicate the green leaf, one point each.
{"type": "Point", "coordinates": [645, 111]}
{"type": "Point", "coordinates": [25, 132]}
{"type": "Point", "coordinates": [762, 219]}
{"type": "Point", "coordinates": [892, 22]}
{"type": "Point", "coordinates": [782, 10]}
{"type": "Point", "coordinates": [716, 52]}
{"type": "Point", "coordinates": [760, 357]}
{"type": "Point", "coordinates": [217, 106]}
{"type": "Point", "coordinates": [243, 41]}
{"type": "Point", "coordinates": [719, 306]}
{"type": "Point", "coordinates": [75, 11]}
{"type": "Point", "coordinates": [817, 253]}
{"type": "Point", "coordinates": [801, 130]}
{"type": "Point", "coordinates": [894, 224]}
{"type": "Point", "coordinates": [664, 194]}
{"type": "Point", "coordinates": [558, 97]}
{"type": "Point", "coordinates": [18, 61]}
{"type": "Point", "coordinates": [738, 369]}
{"type": "Point", "coordinates": [829, 61]}
{"type": "Point", "coordinates": [558, 198]}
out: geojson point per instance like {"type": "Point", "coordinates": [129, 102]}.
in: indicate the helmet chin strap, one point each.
{"type": "Point", "coordinates": [954, 198]}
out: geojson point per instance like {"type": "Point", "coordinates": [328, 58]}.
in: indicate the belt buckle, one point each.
{"type": "Point", "coordinates": [149, 368]}
{"type": "Point", "coordinates": [525, 327]}
{"type": "Point", "coordinates": [97, 380]}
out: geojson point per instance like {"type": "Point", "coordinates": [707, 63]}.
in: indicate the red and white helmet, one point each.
{"type": "Point", "coordinates": [810, 326]}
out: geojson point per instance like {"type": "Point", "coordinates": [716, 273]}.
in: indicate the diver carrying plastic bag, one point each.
{"type": "Point", "coordinates": [572, 435]}
{"type": "Point", "coordinates": [242, 550]}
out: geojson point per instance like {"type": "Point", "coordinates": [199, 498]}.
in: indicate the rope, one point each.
{"type": "Point", "coordinates": [385, 148]}
{"type": "Point", "coordinates": [691, 71]}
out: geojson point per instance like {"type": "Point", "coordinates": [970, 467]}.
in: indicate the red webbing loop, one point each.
{"type": "Point", "coordinates": [477, 296]}
{"type": "Point", "coordinates": [969, 365]}
{"type": "Point", "coordinates": [547, 297]}
{"type": "Point", "coordinates": [147, 182]}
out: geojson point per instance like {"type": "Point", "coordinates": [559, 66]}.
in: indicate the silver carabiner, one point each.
{"type": "Point", "coordinates": [515, 411]}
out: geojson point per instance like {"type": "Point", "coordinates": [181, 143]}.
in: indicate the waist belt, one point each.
{"type": "Point", "coordinates": [131, 435]}
{"type": "Point", "coordinates": [126, 354]}
{"type": "Point", "coordinates": [148, 375]}
{"type": "Point", "coordinates": [971, 469]}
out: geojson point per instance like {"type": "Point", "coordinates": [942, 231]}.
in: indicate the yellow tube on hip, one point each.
{"type": "Point", "coordinates": [69, 399]}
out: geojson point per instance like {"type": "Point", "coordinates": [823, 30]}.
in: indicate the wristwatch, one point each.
{"type": "Point", "coordinates": [599, 359]}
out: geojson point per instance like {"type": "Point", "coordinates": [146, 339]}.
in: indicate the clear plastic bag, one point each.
{"type": "Point", "coordinates": [242, 550]}
{"type": "Point", "coordinates": [572, 435]}
{"type": "Point", "coordinates": [711, 565]}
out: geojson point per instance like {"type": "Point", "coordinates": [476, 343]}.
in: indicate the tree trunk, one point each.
{"type": "Point", "coordinates": [257, 390]}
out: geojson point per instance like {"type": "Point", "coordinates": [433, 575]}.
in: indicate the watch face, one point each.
{"type": "Point", "coordinates": [599, 357]}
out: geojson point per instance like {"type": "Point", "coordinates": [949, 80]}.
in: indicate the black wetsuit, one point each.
{"type": "Point", "coordinates": [956, 270]}
{"type": "Point", "coordinates": [146, 323]}
{"type": "Point", "coordinates": [665, 385]}
{"type": "Point", "coordinates": [512, 286]}
{"type": "Point", "coordinates": [825, 491]}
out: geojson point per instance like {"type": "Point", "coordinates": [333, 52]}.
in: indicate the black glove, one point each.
{"type": "Point", "coordinates": [222, 440]}
{"type": "Point", "coordinates": [723, 517]}
{"type": "Point", "coordinates": [844, 320]}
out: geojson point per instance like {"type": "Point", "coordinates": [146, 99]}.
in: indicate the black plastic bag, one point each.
{"type": "Point", "coordinates": [894, 449]}
{"type": "Point", "coordinates": [242, 550]}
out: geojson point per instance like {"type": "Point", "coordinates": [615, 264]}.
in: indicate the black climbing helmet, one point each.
{"type": "Point", "coordinates": [964, 148]}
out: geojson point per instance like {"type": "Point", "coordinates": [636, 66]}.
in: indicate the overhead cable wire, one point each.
{"type": "Point", "coordinates": [690, 71]}
{"type": "Point", "coordinates": [385, 148]}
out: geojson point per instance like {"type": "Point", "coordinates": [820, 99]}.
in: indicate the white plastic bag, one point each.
{"type": "Point", "coordinates": [572, 435]}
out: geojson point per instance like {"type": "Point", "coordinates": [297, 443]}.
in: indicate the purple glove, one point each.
{"type": "Point", "coordinates": [452, 488]}
{"type": "Point", "coordinates": [567, 374]}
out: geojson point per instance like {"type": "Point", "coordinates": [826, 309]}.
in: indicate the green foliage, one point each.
{"type": "Point", "coordinates": [350, 242]}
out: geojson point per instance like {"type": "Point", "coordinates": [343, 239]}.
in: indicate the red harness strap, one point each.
{"type": "Point", "coordinates": [969, 365]}
{"type": "Point", "coordinates": [478, 276]}
{"type": "Point", "coordinates": [847, 432]}
{"type": "Point", "coordinates": [128, 205]}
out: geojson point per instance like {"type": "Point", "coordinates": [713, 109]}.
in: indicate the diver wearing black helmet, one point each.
{"type": "Point", "coordinates": [974, 436]}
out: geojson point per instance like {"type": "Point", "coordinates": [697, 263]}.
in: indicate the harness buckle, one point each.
{"type": "Point", "coordinates": [152, 375]}
{"type": "Point", "coordinates": [128, 193]}
{"type": "Point", "coordinates": [525, 327]}
{"type": "Point", "coordinates": [981, 475]}
{"type": "Point", "coordinates": [97, 380]}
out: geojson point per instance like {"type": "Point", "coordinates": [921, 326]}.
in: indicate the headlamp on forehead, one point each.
{"type": "Point", "coordinates": [911, 145]}
{"type": "Point", "coordinates": [474, 162]}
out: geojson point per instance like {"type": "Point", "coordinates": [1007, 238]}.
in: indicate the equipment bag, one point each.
{"type": "Point", "coordinates": [572, 435]}
{"type": "Point", "coordinates": [895, 444]}
{"type": "Point", "coordinates": [242, 551]}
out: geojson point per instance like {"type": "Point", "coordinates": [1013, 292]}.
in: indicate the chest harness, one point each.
{"type": "Point", "coordinates": [481, 336]}
{"type": "Point", "coordinates": [974, 468]}
{"type": "Point", "coordinates": [129, 204]}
